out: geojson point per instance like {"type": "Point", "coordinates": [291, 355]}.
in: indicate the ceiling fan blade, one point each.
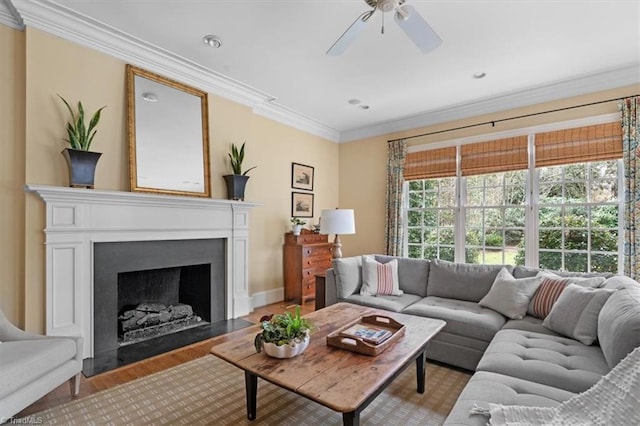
{"type": "Point", "coordinates": [414, 25]}
{"type": "Point", "coordinates": [352, 32]}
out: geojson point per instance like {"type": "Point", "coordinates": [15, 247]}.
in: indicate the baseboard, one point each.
{"type": "Point", "coordinates": [268, 297]}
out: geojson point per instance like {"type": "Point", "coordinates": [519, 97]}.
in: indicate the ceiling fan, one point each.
{"type": "Point", "coordinates": [405, 16]}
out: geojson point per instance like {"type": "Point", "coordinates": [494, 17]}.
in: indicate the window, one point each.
{"type": "Point", "coordinates": [578, 217]}
{"type": "Point", "coordinates": [494, 219]}
{"type": "Point", "coordinates": [431, 219]}
{"type": "Point", "coordinates": [555, 216]}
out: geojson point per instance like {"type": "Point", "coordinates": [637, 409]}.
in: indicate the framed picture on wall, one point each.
{"type": "Point", "coordinates": [301, 177]}
{"type": "Point", "coordinates": [301, 204]}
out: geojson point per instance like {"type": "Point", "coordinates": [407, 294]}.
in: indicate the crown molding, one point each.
{"type": "Point", "coordinates": [60, 21]}
{"type": "Point", "coordinates": [9, 16]}
{"type": "Point", "coordinates": [282, 114]}
{"type": "Point", "coordinates": [590, 83]}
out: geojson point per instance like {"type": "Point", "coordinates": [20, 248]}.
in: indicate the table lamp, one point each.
{"type": "Point", "coordinates": [337, 222]}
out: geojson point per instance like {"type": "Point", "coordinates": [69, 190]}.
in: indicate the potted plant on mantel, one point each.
{"type": "Point", "coordinates": [82, 162]}
{"type": "Point", "coordinates": [238, 180]}
{"type": "Point", "coordinates": [283, 335]}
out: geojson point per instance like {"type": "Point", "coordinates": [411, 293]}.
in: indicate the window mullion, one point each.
{"type": "Point", "coordinates": [460, 209]}
{"type": "Point", "coordinates": [532, 209]}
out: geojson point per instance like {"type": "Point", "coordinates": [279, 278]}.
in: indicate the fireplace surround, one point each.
{"type": "Point", "coordinates": [77, 219]}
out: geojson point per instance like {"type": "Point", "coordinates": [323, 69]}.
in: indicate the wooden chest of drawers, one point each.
{"type": "Point", "coordinates": [304, 256]}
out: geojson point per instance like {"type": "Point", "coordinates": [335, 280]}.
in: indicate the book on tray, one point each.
{"type": "Point", "coordinates": [367, 333]}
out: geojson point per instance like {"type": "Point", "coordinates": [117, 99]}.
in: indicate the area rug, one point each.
{"type": "Point", "coordinates": [209, 391]}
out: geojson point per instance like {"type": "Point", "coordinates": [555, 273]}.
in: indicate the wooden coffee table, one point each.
{"type": "Point", "coordinates": [341, 380]}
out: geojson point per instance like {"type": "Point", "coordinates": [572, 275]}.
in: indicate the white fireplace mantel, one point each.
{"type": "Point", "coordinates": [78, 218]}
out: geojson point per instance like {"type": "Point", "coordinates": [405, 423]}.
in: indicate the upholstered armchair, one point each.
{"type": "Point", "coordinates": [32, 365]}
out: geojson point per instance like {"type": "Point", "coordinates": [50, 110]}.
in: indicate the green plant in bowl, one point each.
{"type": "Point", "coordinates": [283, 329]}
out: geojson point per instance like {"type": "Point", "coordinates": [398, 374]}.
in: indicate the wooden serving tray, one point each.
{"type": "Point", "coordinates": [356, 344]}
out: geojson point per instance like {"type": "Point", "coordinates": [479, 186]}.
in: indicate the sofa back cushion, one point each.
{"type": "Point", "coordinates": [619, 324]}
{"type": "Point", "coordinates": [461, 281]}
{"type": "Point", "coordinates": [618, 282]}
{"type": "Point", "coordinates": [348, 271]}
{"type": "Point", "coordinates": [412, 273]}
{"type": "Point", "coordinates": [527, 271]}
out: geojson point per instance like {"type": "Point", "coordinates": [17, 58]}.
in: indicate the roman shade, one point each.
{"type": "Point", "coordinates": [433, 163]}
{"type": "Point", "coordinates": [598, 142]}
{"type": "Point", "coordinates": [500, 155]}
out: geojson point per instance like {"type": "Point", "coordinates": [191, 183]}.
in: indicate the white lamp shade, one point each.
{"type": "Point", "coordinates": [337, 221]}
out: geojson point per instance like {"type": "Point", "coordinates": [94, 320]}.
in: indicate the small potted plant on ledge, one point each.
{"type": "Point", "coordinates": [238, 180]}
{"type": "Point", "coordinates": [296, 225]}
{"type": "Point", "coordinates": [283, 335]}
{"type": "Point", "coordinates": [82, 162]}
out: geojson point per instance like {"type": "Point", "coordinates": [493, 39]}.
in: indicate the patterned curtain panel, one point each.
{"type": "Point", "coordinates": [397, 151]}
{"type": "Point", "coordinates": [630, 118]}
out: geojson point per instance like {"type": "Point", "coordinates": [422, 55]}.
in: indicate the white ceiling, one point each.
{"type": "Point", "coordinates": [531, 51]}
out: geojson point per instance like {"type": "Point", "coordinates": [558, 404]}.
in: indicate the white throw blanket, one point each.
{"type": "Point", "coordinates": [613, 400]}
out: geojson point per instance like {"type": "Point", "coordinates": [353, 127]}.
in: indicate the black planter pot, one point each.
{"type": "Point", "coordinates": [82, 167]}
{"type": "Point", "coordinates": [235, 186]}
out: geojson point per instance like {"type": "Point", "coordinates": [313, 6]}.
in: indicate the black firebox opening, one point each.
{"type": "Point", "coordinates": [161, 301]}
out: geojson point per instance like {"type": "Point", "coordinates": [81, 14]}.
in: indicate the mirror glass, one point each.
{"type": "Point", "coordinates": [168, 135]}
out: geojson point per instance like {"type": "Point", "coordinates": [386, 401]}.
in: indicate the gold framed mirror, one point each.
{"type": "Point", "coordinates": [168, 130]}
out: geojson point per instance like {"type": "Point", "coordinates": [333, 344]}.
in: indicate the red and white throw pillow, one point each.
{"type": "Point", "coordinates": [379, 278]}
{"type": "Point", "coordinates": [546, 295]}
{"type": "Point", "coordinates": [550, 289]}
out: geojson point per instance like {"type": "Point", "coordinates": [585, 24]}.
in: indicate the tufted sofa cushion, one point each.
{"type": "Point", "coordinates": [550, 360]}
{"type": "Point", "coordinates": [528, 323]}
{"type": "Point", "coordinates": [485, 387]}
{"type": "Point", "coordinates": [463, 318]}
{"type": "Point", "coordinates": [390, 303]}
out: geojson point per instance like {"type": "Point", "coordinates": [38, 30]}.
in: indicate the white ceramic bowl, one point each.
{"type": "Point", "coordinates": [286, 351]}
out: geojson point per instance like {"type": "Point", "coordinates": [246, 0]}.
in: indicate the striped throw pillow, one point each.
{"type": "Point", "coordinates": [379, 278]}
{"type": "Point", "coordinates": [550, 289]}
{"type": "Point", "coordinates": [546, 295]}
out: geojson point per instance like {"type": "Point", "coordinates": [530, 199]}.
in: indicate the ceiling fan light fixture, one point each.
{"type": "Point", "coordinates": [402, 14]}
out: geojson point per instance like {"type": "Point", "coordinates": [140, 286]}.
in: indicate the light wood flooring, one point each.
{"type": "Point", "coordinates": [94, 384]}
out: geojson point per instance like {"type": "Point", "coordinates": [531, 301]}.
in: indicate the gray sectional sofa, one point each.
{"type": "Point", "coordinates": [516, 361]}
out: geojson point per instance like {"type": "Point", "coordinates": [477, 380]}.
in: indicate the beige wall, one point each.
{"type": "Point", "coordinates": [54, 65]}
{"type": "Point", "coordinates": [12, 90]}
{"type": "Point", "coordinates": [363, 162]}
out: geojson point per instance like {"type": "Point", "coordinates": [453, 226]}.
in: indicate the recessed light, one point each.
{"type": "Point", "coordinates": [212, 41]}
{"type": "Point", "coordinates": [479, 75]}
{"type": "Point", "coordinates": [354, 101]}
{"type": "Point", "coordinates": [150, 97]}
{"type": "Point", "coordinates": [364, 106]}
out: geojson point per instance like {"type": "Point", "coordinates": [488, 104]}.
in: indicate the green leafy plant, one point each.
{"type": "Point", "coordinates": [237, 157]}
{"type": "Point", "coordinates": [297, 221]}
{"type": "Point", "coordinates": [80, 136]}
{"type": "Point", "coordinates": [282, 329]}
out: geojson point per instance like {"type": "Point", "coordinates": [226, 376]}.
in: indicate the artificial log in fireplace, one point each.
{"type": "Point", "coordinates": [150, 319]}
{"type": "Point", "coordinates": [160, 301]}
